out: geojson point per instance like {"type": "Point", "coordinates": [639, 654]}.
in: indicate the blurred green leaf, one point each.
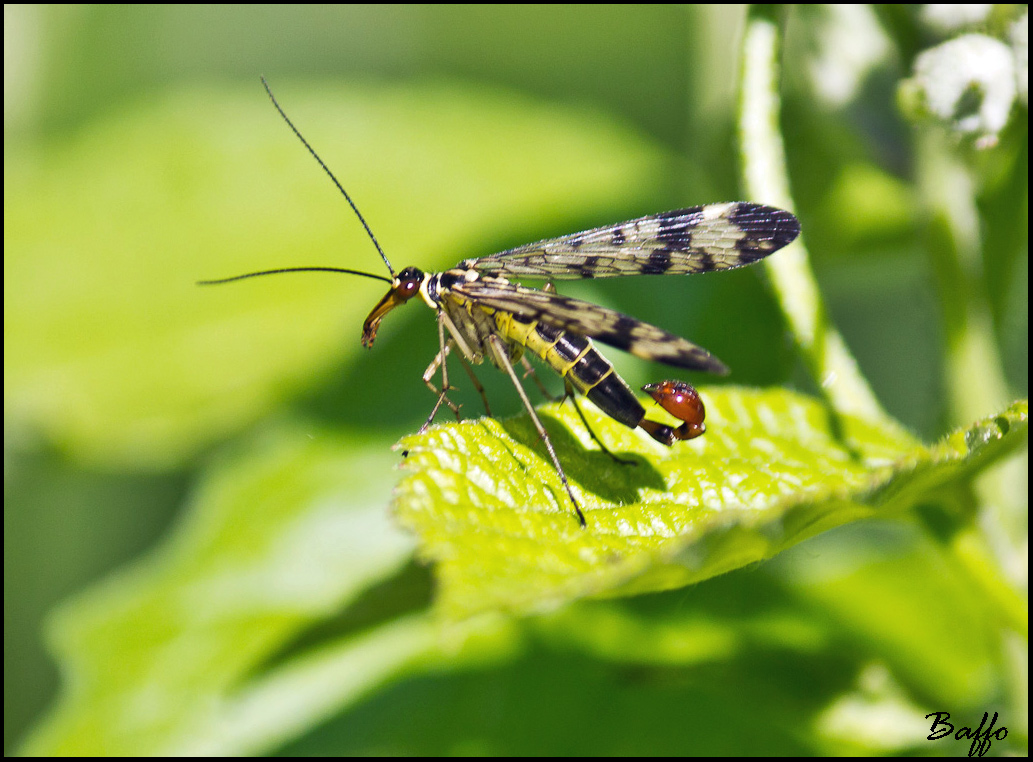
{"type": "Point", "coordinates": [774, 468]}
{"type": "Point", "coordinates": [278, 537]}
{"type": "Point", "coordinates": [660, 673]}
{"type": "Point", "coordinates": [114, 352]}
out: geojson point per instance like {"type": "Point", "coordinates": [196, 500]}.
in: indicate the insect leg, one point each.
{"type": "Point", "coordinates": [529, 371]}
{"type": "Point", "coordinates": [476, 385]}
{"type": "Point", "coordinates": [570, 395]}
{"type": "Point", "coordinates": [503, 354]}
{"type": "Point", "coordinates": [440, 360]}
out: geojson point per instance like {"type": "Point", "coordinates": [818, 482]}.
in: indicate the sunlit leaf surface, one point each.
{"type": "Point", "coordinates": [773, 468]}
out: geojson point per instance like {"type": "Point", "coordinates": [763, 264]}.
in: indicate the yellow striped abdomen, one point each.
{"type": "Point", "coordinates": [580, 364]}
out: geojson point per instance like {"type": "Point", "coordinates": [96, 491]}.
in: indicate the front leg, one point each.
{"type": "Point", "coordinates": [440, 360]}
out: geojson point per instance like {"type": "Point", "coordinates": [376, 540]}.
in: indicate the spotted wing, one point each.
{"type": "Point", "coordinates": [587, 319]}
{"type": "Point", "coordinates": [693, 240]}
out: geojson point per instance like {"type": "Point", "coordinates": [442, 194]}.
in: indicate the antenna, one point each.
{"type": "Point", "coordinates": [292, 270]}
{"type": "Point", "coordinates": [338, 184]}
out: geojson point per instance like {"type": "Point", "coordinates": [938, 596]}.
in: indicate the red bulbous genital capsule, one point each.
{"type": "Point", "coordinates": [683, 402]}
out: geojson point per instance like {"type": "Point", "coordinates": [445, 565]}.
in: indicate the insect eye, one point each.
{"type": "Point", "coordinates": [408, 282]}
{"type": "Point", "coordinates": [408, 288]}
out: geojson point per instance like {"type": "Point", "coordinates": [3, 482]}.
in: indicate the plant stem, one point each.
{"type": "Point", "coordinates": [765, 179]}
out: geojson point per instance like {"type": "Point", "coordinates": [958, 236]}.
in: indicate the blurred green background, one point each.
{"type": "Point", "coordinates": [141, 155]}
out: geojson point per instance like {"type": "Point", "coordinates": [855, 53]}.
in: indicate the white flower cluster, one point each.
{"type": "Point", "coordinates": [972, 82]}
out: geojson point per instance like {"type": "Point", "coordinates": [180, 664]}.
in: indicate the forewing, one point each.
{"type": "Point", "coordinates": [581, 317]}
{"type": "Point", "coordinates": [698, 239]}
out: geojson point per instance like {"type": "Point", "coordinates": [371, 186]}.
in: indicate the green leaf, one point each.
{"type": "Point", "coordinates": [246, 627]}
{"type": "Point", "coordinates": [119, 358]}
{"type": "Point", "coordinates": [773, 469]}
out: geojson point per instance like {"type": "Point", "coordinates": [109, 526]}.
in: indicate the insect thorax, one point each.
{"type": "Point", "coordinates": [572, 356]}
{"type": "Point", "coordinates": [474, 323]}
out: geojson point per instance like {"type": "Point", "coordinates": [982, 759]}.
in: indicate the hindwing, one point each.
{"type": "Point", "coordinates": [587, 319]}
